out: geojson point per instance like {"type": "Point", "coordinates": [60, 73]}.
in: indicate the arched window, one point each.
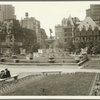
{"type": "Point", "coordinates": [92, 33]}
{"type": "Point", "coordinates": [80, 33]}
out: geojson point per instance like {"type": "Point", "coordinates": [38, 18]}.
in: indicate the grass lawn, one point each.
{"type": "Point", "coordinates": [92, 64]}
{"type": "Point", "coordinates": [66, 84]}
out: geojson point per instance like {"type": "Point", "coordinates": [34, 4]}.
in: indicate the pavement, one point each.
{"type": "Point", "coordinates": [30, 68]}
{"type": "Point", "coordinates": [24, 70]}
{"type": "Point", "coordinates": [41, 64]}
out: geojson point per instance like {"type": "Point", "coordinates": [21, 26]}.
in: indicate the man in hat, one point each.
{"type": "Point", "coordinates": [7, 73]}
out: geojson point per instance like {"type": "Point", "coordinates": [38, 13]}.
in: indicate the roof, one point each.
{"type": "Point", "coordinates": [70, 21]}
{"type": "Point", "coordinates": [67, 22]}
{"type": "Point", "coordinates": [87, 23]}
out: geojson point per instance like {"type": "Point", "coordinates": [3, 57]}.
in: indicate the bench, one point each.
{"type": "Point", "coordinates": [51, 72]}
{"type": "Point", "coordinates": [7, 80]}
{"type": "Point", "coordinates": [16, 60]}
{"type": "Point", "coordinates": [15, 77]}
{"type": "Point", "coordinates": [83, 61]}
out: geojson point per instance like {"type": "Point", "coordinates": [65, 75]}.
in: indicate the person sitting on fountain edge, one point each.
{"type": "Point", "coordinates": [2, 74]}
{"type": "Point", "coordinates": [7, 72]}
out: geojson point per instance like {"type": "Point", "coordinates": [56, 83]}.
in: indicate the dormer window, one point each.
{"type": "Point", "coordinates": [84, 27]}
{"type": "Point", "coordinates": [90, 27]}
{"type": "Point", "coordinates": [80, 33]}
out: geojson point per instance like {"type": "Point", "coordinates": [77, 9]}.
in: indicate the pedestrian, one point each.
{"type": "Point", "coordinates": [63, 61]}
{"type": "Point", "coordinates": [96, 92]}
{"type": "Point", "coordinates": [2, 74]}
{"type": "Point", "coordinates": [7, 73]}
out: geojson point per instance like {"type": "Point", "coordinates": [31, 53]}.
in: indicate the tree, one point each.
{"type": "Point", "coordinates": [26, 36]}
{"type": "Point", "coordinates": [78, 46]}
{"type": "Point", "coordinates": [59, 44]}
{"type": "Point", "coordinates": [90, 46]}
{"type": "Point", "coordinates": [30, 40]}
{"type": "Point", "coordinates": [96, 48]}
{"type": "Point", "coordinates": [70, 46]}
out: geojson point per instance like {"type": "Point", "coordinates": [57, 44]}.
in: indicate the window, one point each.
{"type": "Point", "coordinates": [92, 33]}
{"type": "Point", "coordinates": [65, 34]}
{"type": "Point", "coordinates": [86, 33]}
{"type": "Point", "coordinates": [83, 38]}
{"type": "Point", "coordinates": [95, 37]}
{"type": "Point", "coordinates": [80, 33]}
{"type": "Point", "coordinates": [65, 40]}
{"type": "Point", "coordinates": [65, 30]}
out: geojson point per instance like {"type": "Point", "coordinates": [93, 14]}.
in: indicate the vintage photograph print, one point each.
{"type": "Point", "coordinates": [50, 48]}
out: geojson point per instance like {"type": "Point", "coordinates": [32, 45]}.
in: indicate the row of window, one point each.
{"type": "Point", "coordinates": [67, 39]}
{"type": "Point", "coordinates": [68, 34]}
{"type": "Point", "coordinates": [68, 30]}
{"type": "Point", "coordinates": [87, 38]}
{"type": "Point", "coordinates": [87, 33]}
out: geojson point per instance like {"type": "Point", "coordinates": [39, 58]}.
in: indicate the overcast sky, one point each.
{"type": "Point", "coordinates": [51, 13]}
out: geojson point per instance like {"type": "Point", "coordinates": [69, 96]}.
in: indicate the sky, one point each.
{"type": "Point", "coordinates": [50, 13]}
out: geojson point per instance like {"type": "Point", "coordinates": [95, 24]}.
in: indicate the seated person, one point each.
{"type": "Point", "coordinates": [7, 73]}
{"type": "Point", "coordinates": [2, 74]}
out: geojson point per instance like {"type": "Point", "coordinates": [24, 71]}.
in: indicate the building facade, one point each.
{"type": "Point", "coordinates": [64, 33]}
{"type": "Point", "coordinates": [59, 33]}
{"type": "Point", "coordinates": [68, 29]}
{"type": "Point", "coordinates": [94, 13]}
{"type": "Point", "coordinates": [8, 39]}
{"type": "Point", "coordinates": [7, 12]}
{"type": "Point", "coordinates": [87, 31]}
{"type": "Point", "coordinates": [32, 24]}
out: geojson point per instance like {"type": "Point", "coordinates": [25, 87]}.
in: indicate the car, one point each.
{"type": "Point", "coordinates": [77, 58]}
{"type": "Point", "coordinates": [3, 60]}
{"type": "Point", "coordinates": [51, 59]}
{"type": "Point", "coordinates": [81, 57]}
{"type": "Point", "coordinates": [14, 57]}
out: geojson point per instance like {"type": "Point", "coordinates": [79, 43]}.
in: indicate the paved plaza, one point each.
{"type": "Point", "coordinates": [29, 69]}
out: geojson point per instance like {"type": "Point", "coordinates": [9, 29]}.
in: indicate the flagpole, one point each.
{"type": "Point", "coordinates": [50, 35]}
{"type": "Point", "coordinates": [50, 32]}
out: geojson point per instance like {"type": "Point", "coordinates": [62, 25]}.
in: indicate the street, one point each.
{"type": "Point", "coordinates": [15, 69]}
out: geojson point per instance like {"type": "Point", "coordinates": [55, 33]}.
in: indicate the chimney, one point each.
{"type": "Point", "coordinates": [26, 14]}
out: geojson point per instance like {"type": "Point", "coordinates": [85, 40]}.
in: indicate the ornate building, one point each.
{"type": "Point", "coordinates": [87, 31]}
{"type": "Point", "coordinates": [68, 30]}
{"type": "Point", "coordinates": [64, 33]}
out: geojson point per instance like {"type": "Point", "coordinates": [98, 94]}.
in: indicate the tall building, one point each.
{"type": "Point", "coordinates": [59, 32]}
{"type": "Point", "coordinates": [32, 24]}
{"type": "Point", "coordinates": [94, 13]}
{"type": "Point", "coordinates": [7, 12]}
{"type": "Point", "coordinates": [64, 32]}
{"type": "Point", "coordinates": [68, 29]}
